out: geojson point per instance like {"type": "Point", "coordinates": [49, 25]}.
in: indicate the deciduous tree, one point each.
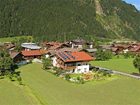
{"type": "Point", "coordinates": [136, 62]}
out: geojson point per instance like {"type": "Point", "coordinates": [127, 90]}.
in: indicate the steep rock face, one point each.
{"type": "Point", "coordinates": [122, 19]}
{"type": "Point", "coordinates": [98, 6]}
{"type": "Point", "coordinates": [68, 19]}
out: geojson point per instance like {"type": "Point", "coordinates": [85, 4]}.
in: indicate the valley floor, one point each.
{"type": "Point", "coordinates": [47, 89]}
{"type": "Point", "coordinates": [52, 90]}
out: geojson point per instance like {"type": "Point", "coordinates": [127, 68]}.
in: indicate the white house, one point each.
{"type": "Point", "coordinates": [73, 62]}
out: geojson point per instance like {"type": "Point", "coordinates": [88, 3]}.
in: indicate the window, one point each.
{"type": "Point", "coordinates": [85, 69]}
{"type": "Point", "coordinates": [79, 64]}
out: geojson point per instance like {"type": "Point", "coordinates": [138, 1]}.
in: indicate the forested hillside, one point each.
{"type": "Point", "coordinates": [68, 19]}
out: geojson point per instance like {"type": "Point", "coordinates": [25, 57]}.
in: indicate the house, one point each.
{"type": "Point", "coordinates": [32, 54]}
{"type": "Point", "coordinates": [121, 48]}
{"type": "Point", "coordinates": [135, 49]}
{"type": "Point", "coordinates": [80, 44]}
{"type": "Point", "coordinates": [105, 47]}
{"type": "Point", "coordinates": [9, 46]}
{"type": "Point", "coordinates": [30, 46]}
{"type": "Point", "coordinates": [72, 62]}
{"type": "Point", "coordinates": [116, 48]}
{"type": "Point", "coordinates": [16, 56]}
{"type": "Point", "coordinates": [53, 45]}
{"type": "Point", "coordinates": [69, 49]}
{"type": "Point", "coordinates": [51, 53]}
{"type": "Point", "coordinates": [91, 52]}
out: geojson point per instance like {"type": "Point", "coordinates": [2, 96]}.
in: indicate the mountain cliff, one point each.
{"type": "Point", "coordinates": [68, 19]}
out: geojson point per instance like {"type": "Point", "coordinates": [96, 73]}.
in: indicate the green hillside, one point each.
{"type": "Point", "coordinates": [68, 19]}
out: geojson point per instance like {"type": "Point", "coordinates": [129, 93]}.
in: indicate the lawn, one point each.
{"type": "Point", "coordinates": [9, 39]}
{"type": "Point", "coordinates": [122, 64]}
{"type": "Point", "coordinates": [53, 90]}
{"type": "Point", "coordinates": [13, 94]}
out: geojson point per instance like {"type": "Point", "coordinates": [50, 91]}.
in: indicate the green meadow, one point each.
{"type": "Point", "coordinates": [53, 90]}
{"type": "Point", "coordinates": [10, 39]}
{"type": "Point", "coordinates": [43, 88]}
{"type": "Point", "coordinates": [13, 94]}
{"type": "Point", "coordinates": [121, 64]}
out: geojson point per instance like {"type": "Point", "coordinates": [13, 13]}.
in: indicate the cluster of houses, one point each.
{"type": "Point", "coordinates": [73, 56]}
{"type": "Point", "coordinates": [122, 48]}
{"type": "Point", "coordinates": [68, 56]}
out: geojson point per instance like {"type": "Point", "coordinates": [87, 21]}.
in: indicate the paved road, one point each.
{"type": "Point", "coordinates": [118, 72]}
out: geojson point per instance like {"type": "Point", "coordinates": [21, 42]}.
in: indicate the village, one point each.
{"type": "Point", "coordinates": [51, 67]}
{"type": "Point", "coordinates": [73, 56]}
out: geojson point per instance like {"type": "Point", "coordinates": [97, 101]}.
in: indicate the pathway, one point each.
{"type": "Point", "coordinates": [118, 72]}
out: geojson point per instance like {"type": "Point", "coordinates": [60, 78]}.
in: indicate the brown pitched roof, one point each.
{"type": "Point", "coordinates": [33, 53]}
{"type": "Point", "coordinates": [69, 49]}
{"type": "Point", "coordinates": [52, 45]}
{"type": "Point", "coordinates": [135, 49]}
{"type": "Point", "coordinates": [74, 56]}
{"type": "Point", "coordinates": [14, 54]}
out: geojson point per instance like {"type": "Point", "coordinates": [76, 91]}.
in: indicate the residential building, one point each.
{"type": "Point", "coordinates": [80, 44]}
{"type": "Point", "coordinates": [32, 54]}
{"type": "Point", "coordinates": [16, 56]}
{"type": "Point", "coordinates": [30, 46]}
{"type": "Point", "coordinates": [53, 45]}
{"type": "Point", "coordinates": [72, 62]}
{"type": "Point", "coordinates": [135, 49]}
{"type": "Point", "coordinates": [9, 46]}
{"type": "Point", "coordinates": [91, 52]}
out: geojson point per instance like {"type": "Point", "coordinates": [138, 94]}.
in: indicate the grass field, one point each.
{"type": "Point", "coordinates": [122, 64]}
{"type": "Point", "coordinates": [52, 90]}
{"type": "Point", "coordinates": [13, 94]}
{"type": "Point", "coordinates": [9, 39]}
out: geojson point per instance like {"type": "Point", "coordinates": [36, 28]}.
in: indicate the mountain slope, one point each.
{"type": "Point", "coordinates": [122, 19]}
{"type": "Point", "coordinates": [68, 19]}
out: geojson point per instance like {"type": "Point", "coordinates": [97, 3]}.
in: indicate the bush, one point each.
{"type": "Point", "coordinates": [11, 77]}
{"type": "Point", "coordinates": [58, 71]}
{"type": "Point", "coordinates": [80, 80]}
{"type": "Point", "coordinates": [127, 55]}
{"type": "Point", "coordinates": [106, 73]}
{"type": "Point", "coordinates": [19, 79]}
{"type": "Point", "coordinates": [30, 61]}
{"type": "Point", "coordinates": [67, 77]}
{"type": "Point", "coordinates": [96, 76]}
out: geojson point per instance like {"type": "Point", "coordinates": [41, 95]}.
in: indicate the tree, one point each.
{"type": "Point", "coordinates": [6, 62]}
{"type": "Point", "coordinates": [103, 55]}
{"type": "Point", "coordinates": [46, 63]}
{"type": "Point", "coordinates": [136, 62]}
{"type": "Point", "coordinates": [7, 67]}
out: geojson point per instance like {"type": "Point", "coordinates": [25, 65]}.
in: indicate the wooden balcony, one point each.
{"type": "Point", "coordinates": [68, 67]}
